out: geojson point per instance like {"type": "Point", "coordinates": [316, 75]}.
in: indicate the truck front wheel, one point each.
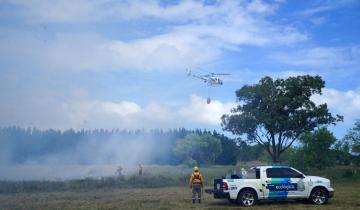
{"type": "Point", "coordinates": [247, 197]}
{"type": "Point", "coordinates": [319, 196]}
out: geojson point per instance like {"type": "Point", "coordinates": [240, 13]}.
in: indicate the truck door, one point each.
{"type": "Point", "coordinates": [283, 182]}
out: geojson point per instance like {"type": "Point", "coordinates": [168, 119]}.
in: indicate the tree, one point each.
{"type": "Point", "coordinates": [315, 151]}
{"type": "Point", "coordinates": [228, 156]}
{"type": "Point", "coordinates": [353, 139]}
{"type": "Point", "coordinates": [274, 113]}
{"type": "Point", "coordinates": [195, 148]}
{"type": "Point", "coordinates": [342, 152]}
{"type": "Point", "coordinates": [249, 152]}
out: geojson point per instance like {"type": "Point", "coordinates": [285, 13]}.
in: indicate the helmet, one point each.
{"type": "Point", "coordinates": [196, 168]}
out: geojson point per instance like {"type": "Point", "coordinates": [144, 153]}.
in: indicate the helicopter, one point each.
{"type": "Point", "coordinates": [211, 79]}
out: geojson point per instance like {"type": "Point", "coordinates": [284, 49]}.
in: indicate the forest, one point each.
{"type": "Point", "coordinates": [167, 147]}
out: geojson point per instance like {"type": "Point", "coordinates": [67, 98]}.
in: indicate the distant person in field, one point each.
{"type": "Point", "coordinates": [119, 171]}
{"type": "Point", "coordinates": [196, 183]}
{"type": "Point", "coordinates": [140, 170]}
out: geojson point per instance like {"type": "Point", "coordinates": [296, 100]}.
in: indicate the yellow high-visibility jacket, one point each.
{"type": "Point", "coordinates": [196, 178]}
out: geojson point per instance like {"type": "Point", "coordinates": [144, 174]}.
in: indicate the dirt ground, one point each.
{"type": "Point", "coordinates": [347, 196]}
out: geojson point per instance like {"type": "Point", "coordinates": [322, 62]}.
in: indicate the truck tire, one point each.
{"type": "Point", "coordinates": [247, 198]}
{"type": "Point", "coordinates": [319, 196]}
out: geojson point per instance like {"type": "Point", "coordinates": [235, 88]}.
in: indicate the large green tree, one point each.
{"type": "Point", "coordinates": [274, 113]}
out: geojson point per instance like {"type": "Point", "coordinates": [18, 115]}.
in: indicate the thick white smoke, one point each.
{"type": "Point", "coordinates": [92, 157]}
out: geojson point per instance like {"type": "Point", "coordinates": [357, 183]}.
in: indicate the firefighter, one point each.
{"type": "Point", "coordinates": [140, 170]}
{"type": "Point", "coordinates": [119, 171]}
{"type": "Point", "coordinates": [196, 183]}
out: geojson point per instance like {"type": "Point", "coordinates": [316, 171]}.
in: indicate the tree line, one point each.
{"type": "Point", "coordinates": [28, 145]}
{"type": "Point", "coordinates": [316, 149]}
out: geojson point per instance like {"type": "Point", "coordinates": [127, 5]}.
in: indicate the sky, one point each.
{"type": "Point", "coordinates": [122, 64]}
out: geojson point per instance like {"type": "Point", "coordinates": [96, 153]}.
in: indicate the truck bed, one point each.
{"type": "Point", "coordinates": [217, 191]}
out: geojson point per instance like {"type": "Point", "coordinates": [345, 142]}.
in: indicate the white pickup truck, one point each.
{"type": "Point", "coordinates": [272, 182]}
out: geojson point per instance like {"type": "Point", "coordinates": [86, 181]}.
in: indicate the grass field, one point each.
{"type": "Point", "coordinates": [346, 197]}
{"type": "Point", "coordinates": [91, 195]}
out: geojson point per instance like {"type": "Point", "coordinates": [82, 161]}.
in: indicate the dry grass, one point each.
{"type": "Point", "coordinates": [346, 197]}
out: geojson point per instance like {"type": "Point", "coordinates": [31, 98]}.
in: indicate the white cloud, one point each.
{"type": "Point", "coordinates": [318, 13]}
{"type": "Point", "coordinates": [196, 33]}
{"type": "Point", "coordinates": [94, 114]}
{"type": "Point", "coordinates": [59, 11]}
{"type": "Point", "coordinates": [86, 51]}
{"type": "Point", "coordinates": [325, 6]}
{"type": "Point", "coordinates": [79, 113]}
{"type": "Point", "coordinates": [63, 52]}
{"type": "Point", "coordinates": [293, 73]}
{"type": "Point", "coordinates": [122, 108]}
{"type": "Point", "coordinates": [201, 112]}
{"type": "Point", "coordinates": [316, 10]}
{"type": "Point", "coordinates": [346, 103]}
{"type": "Point", "coordinates": [318, 20]}
{"type": "Point", "coordinates": [320, 56]}
{"type": "Point", "coordinates": [170, 51]}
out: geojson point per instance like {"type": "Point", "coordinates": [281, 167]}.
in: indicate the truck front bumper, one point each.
{"type": "Point", "coordinates": [331, 192]}
{"type": "Point", "coordinates": [218, 193]}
